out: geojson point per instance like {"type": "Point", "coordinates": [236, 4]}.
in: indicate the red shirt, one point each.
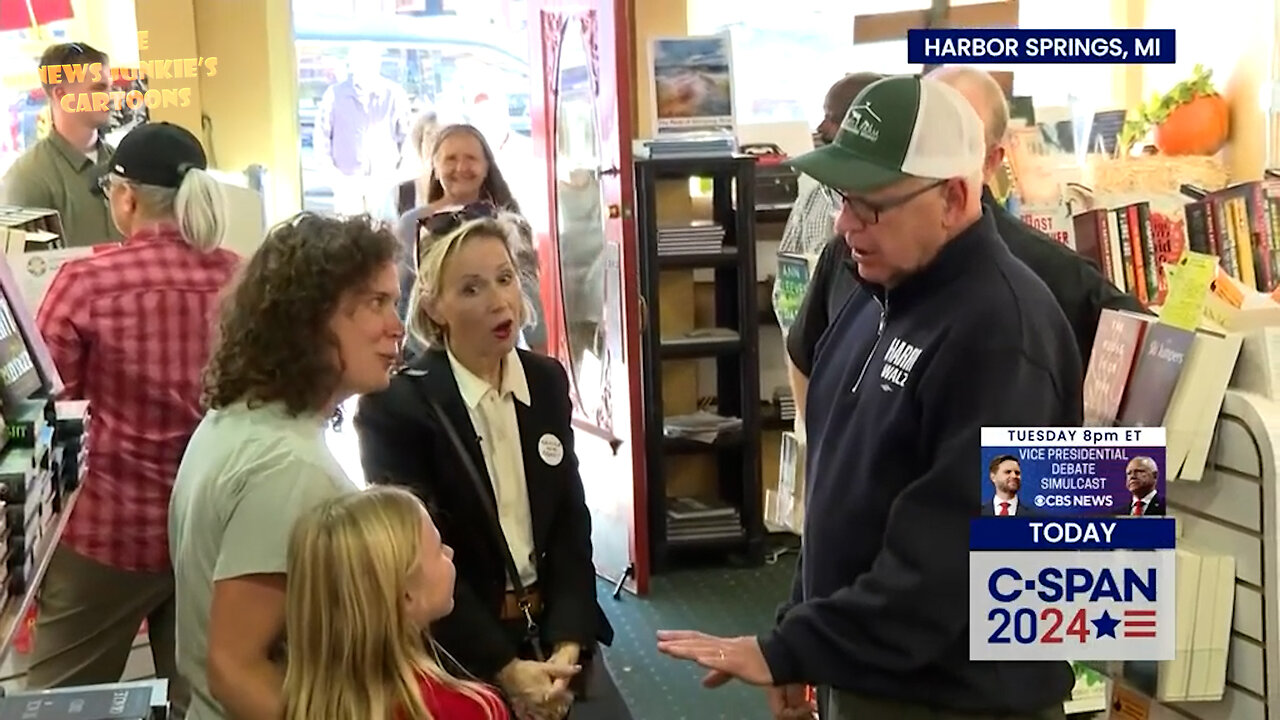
{"type": "Point", "coordinates": [130, 331]}
{"type": "Point", "coordinates": [445, 703]}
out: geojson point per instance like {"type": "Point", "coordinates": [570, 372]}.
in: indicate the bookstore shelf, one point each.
{"type": "Point", "coordinates": [700, 347]}
{"type": "Point", "coordinates": [729, 517]}
{"type": "Point", "coordinates": [17, 607]}
{"type": "Point", "coordinates": [775, 214]}
{"type": "Point", "coordinates": [725, 441]}
{"type": "Point", "coordinates": [724, 257]}
{"type": "Point", "coordinates": [1232, 512]}
{"type": "Point", "coordinates": [693, 166]}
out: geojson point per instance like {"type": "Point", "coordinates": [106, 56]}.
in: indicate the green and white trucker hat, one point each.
{"type": "Point", "coordinates": [901, 126]}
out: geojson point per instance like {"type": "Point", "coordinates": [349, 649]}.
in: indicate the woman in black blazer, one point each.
{"type": "Point", "coordinates": [462, 425]}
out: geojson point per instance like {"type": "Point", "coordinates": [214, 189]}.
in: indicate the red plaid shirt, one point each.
{"type": "Point", "coordinates": [130, 331]}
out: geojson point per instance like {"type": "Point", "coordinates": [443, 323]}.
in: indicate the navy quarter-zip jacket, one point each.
{"type": "Point", "coordinates": [899, 392]}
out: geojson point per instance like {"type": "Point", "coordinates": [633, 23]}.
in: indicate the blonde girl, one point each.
{"type": "Point", "coordinates": [368, 573]}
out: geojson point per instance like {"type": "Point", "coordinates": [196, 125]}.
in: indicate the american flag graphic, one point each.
{"type": "Point", "coordinates": [1139, 624]}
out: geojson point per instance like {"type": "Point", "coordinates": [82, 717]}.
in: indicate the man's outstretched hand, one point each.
{"type": "Point", "coordinates": [726, 658]}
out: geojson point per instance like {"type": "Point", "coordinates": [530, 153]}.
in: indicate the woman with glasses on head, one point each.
{"type": "Point", "coordinates": [481, 431]}
{"type": "Point", "coordinates": [368, 572]}
{"type": "Point", "coordinates": [463, 172]}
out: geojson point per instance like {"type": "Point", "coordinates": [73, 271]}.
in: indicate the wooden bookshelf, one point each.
{"type": "Point", "coordinates": [728, 338]}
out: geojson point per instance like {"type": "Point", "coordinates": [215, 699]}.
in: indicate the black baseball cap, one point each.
{"type": "Point", "coordinates": [155, 154]}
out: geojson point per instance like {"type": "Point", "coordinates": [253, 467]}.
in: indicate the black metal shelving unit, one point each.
{"type": "Point", "coordinates": [736, 356]}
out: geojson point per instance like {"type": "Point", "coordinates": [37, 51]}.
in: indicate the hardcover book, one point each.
{"type": "Point", "coordinates": [793, 280]}
{"type": "Point", "coordinates": [1110, 364]}
{"type": "Point", "coordinates": [1156, 372]}
{"type": "Point", "coordinates": [100, 704]}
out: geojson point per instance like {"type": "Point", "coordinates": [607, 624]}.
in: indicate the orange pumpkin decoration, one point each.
{"type": "Point", "coordinates": [1199, 126]}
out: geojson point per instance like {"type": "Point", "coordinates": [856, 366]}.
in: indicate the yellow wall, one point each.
{"type": "Point", "coordinates": [251, 102]}
{"type": "Point", "coordinates": [1126, 80]}
{"type": "Point", "coordinates": [1246, 153]}
{"type": "Point", "coordinates": [170, 33]}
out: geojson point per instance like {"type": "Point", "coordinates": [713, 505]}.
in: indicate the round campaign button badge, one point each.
{"type": "Point", "coordinates": [550, 449]}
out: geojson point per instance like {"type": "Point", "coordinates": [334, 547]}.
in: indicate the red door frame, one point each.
{"type": "Point", "coordinates": [616, 63]}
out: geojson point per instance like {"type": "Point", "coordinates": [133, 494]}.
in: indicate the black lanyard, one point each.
{"type": "Point", "coordinates": [523, 596]}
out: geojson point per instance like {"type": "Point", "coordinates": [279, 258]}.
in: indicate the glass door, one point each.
{"type": "Point", "coordinates": [581, 128]}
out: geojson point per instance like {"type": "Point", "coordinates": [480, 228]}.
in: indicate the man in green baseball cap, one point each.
{"type": "Point", "coordinates": [905, 145]}
{"type": "Point", "coordinates": [958, 335]}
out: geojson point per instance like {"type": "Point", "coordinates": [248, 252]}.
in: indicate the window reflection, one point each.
{"type": "Point", "coordinates": [22, 100]}
{"type": "Point", "coordinates": [580, 220]}
{"type": "Point", "coordinates": [784, 62]}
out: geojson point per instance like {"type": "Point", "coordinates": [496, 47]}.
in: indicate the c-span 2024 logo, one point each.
{"type": "Point", "coordinates": [1072, 557]}
{"type": "Point", "coordinates": [1107, 596]}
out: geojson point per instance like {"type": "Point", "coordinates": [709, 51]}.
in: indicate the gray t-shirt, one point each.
{"type": "Point", "coordinates": [246, 476]}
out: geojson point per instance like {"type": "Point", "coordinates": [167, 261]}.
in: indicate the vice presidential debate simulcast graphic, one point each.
{"type": "Point", "coordinates": [1069, 472]}
{"type": "Point", "coordinates": [1071, 556]}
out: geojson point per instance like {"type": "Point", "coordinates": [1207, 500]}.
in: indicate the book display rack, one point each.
{"type": "Point", "coordinates": [1229, 657]}
{"type": "Point", "coordinates": [41, 461]}
{"type": "Point", "coordinates": [1141, 221]}
{"type": "Point", "coordinates": [729, 516]}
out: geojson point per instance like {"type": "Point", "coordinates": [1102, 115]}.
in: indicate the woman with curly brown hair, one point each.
{"type": "Point", "coordinates": [311, 322]}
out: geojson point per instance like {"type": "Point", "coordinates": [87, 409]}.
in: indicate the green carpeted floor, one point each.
{"type": "Point", "coordinates": [719, 601]}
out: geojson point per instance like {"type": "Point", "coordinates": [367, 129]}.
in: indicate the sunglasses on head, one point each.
{"type": "Point", "coordinates": [444, 222]}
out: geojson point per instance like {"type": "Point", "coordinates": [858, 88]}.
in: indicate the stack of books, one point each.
{"type": "Point", "coordinates": [1131, 240]}
{"type": "Point", "coordinates": [30, 219]}
{"type": "Point", "coordinates": [1204, 606]}
{"type": "Point", "coordinates": [786, 403]}
{"type": "Point", "coordinates": [701, 426]}
{"type": "Point", "coordinates": [691, 145]}
{"type": "Point", "coordinates": [700, 236]}
{"type": "Point", "coordinates": [28, 493]}
{"type": "Point", "coordinates": [701, 519]}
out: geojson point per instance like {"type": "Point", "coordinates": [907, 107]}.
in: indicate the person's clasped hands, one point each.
{"type": "Point", "coordinates": [540, 690]}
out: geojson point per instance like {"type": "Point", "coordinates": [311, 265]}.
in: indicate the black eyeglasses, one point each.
{"type": "Point", "coordinates": [102, 186]}
{"type": "Point", "coordinates": [867, 212]}
{"type": "Point", "coordinates": [444, 222]}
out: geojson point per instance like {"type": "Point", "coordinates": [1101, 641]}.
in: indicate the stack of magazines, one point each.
{"type": "Point", "coordinates": [786, 402]}
{"type": "Point", "coordinates": [699, 236]}
{"type": "Point", "coordinates": [701, 426]}
{"type": "Point", "coordinates": [691, 145]}
{"type": "Point", "coordinates": [702, 519]}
